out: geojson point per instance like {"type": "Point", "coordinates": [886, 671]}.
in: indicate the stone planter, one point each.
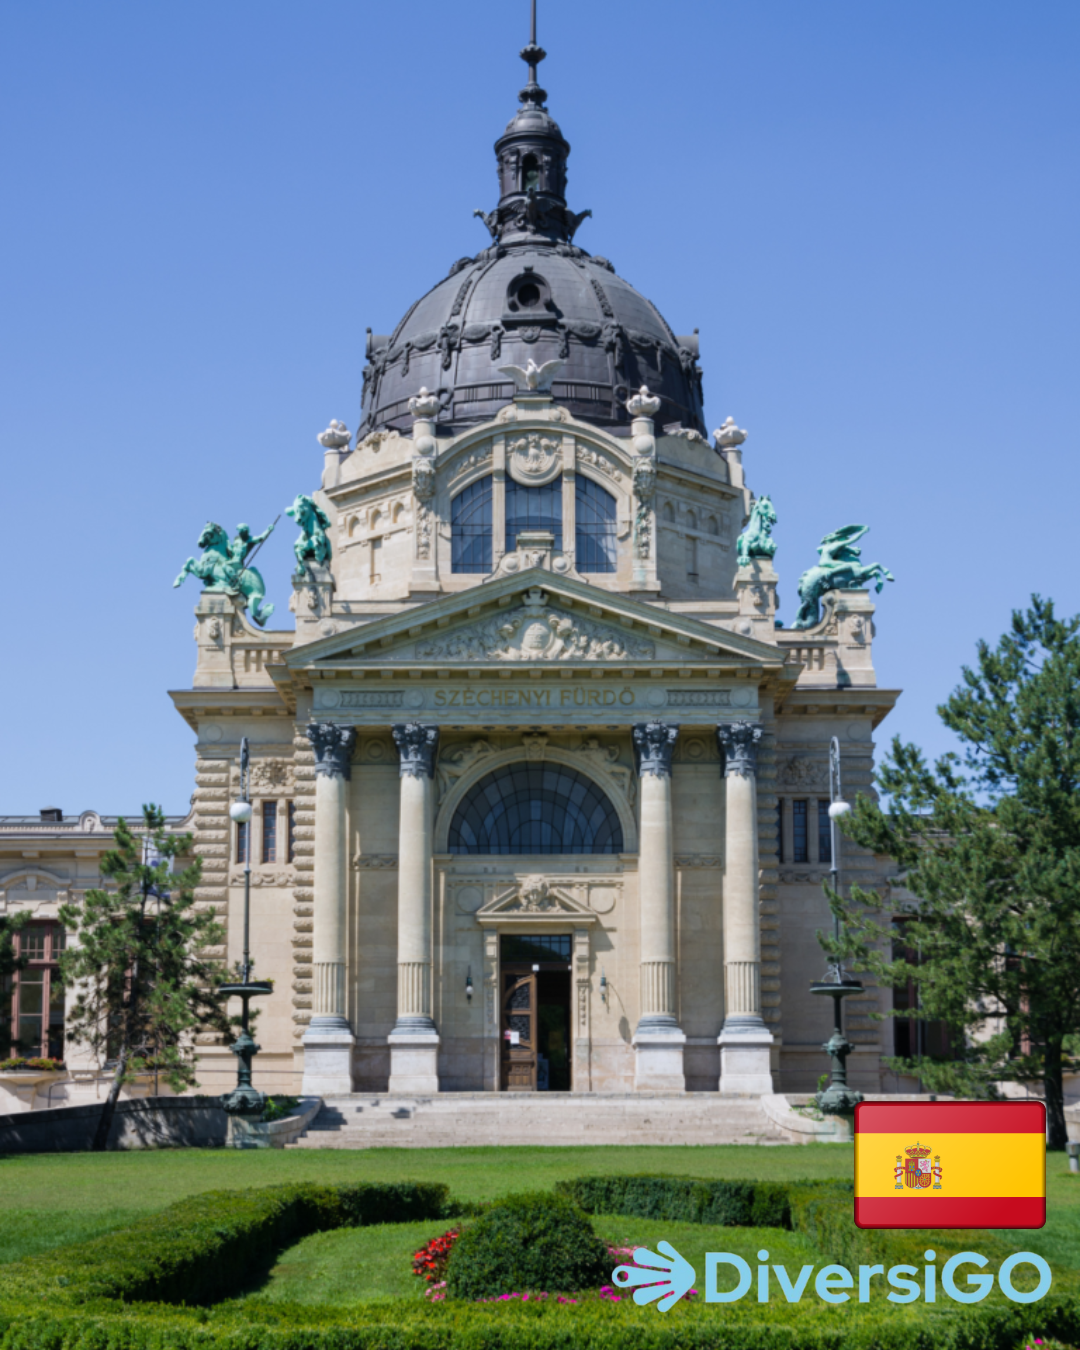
{"type": "Point", "coordinates": [806, 1125]}
{"type": "Point", "coordinates": [275, 1133]}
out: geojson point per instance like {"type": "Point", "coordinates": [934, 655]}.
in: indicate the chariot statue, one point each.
{"type": "Point", "coordinates": [313, 545]}
{"type": "Point", "coordinates": [838, 569]}
{"type": "Point", "coordinates": [222, 567]}
{"type": "Point", "coordinates": [756, 540]}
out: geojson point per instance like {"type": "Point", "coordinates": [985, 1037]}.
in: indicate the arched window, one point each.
{"type": "Point", "coordinates": [533, 508]}
{"type": "Point", "coordinates": [595, 511]}
{"type": "Point", "coordinates": [669, 511]}
{"type": "Point", "coordinates": [470, 528]}
{"type": "Point", "coordinates": [535, 808]}
{"type": "Point", "coordinates": [530, 174]}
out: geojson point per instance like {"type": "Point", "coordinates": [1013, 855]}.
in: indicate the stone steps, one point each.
{"type": "Point", "coordinates": [461, 1119]}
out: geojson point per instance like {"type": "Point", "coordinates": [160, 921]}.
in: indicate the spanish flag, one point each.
{"type": "Point", "coordinates": [950, 1164]}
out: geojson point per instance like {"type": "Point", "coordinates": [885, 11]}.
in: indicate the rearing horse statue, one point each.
{"type": "Point", "coordinates": [221, 568]}
{"type": "Point", "coordinates": [837, 569]}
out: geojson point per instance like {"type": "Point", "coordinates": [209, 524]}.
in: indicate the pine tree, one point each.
{"type": "Point", "coordinates": [989, 843]}
{"type": "Point", "coordinates": [143, 987]}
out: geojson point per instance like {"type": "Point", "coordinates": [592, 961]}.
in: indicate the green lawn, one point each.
{"type": "Point", "coordinates": [355, 1265]}
{"type": "Point", "coordinates": [51, 1200]}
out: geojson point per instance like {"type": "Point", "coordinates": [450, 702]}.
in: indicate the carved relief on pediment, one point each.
{"type": "Point", "coordinates": [536, 897]}
{"type": "Point", "coordinates": [497, 900]}
{"type": "Point", "coordinates": [537, 632]}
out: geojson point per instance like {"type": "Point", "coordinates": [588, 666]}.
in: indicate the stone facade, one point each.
{"type": "Point", "coordinates": [689, 949]}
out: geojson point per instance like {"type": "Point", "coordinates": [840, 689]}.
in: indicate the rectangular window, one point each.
{"type": "Point", "coordinates": [536, 947]}
{"type": "Point", "coordinates": [533, 508]}
{"type": "Point", "coordinates": [292, 833]}
{"type": "Point", "coordinates": [470, 529]}
{"type": "Point", "coordinates": [824, 833]}
{"type": "Point", "coordinates": [32, 1000]}
{"type": "Point", "coordinates": [269, 832]}
{"type": "Point", "coordinates": [800, 850]}
{"type": "Point", "coordinates": [242, 841]}
{"type": "Point", "coordinates": [596, 526]}
{"type": "Point", "coordinates": [780, 830]}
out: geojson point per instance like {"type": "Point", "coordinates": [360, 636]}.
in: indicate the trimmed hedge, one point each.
{"type": "Point", "coordinates": [731, 1204]}
{"type": "Point", "coordinates": [73, 1298]}
{"type": "Point", "coordinates": [209, 1246]}
{"type": "Point", "coordinates": [527, 1242]}
{"type": "Point", "coordinates": [516, 1326]}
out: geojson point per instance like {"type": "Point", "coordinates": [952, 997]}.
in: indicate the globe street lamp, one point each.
{"type": "Point", "coordinates": [837, 1099]}
{"type": "Point", "coordinates": [244, 1100]}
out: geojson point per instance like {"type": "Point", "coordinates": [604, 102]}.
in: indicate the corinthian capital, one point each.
{"type": "Point", "coordinates": [653, 744]}
{"type": "Point", "coordinates": [416, 745]}
{"type": "Point", "coordinates": [333, 746]}
{"type": "Point", "coordinates": [738, 741]}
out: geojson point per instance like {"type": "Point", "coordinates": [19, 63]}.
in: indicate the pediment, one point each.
{"type": "Point", "coordinates": [534, 899]}
{"type": "Point", "coordinates": [534, 617]}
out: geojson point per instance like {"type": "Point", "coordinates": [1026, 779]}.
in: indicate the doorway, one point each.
{"type": "Point", "coordinates": [535, 982]}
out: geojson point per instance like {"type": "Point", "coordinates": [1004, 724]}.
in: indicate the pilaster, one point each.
{"type": "Point", "coordinates": [425, 567]}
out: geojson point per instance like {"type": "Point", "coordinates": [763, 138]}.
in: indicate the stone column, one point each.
{"type": "Point", "coordinates": [658, 1039]}
{"type": "Point", "coordinates": [414, 1041]}
{"type": "Point", "coordinates": [745, 1042]}
{"type": "Point", "coordinates": [328, 1041]}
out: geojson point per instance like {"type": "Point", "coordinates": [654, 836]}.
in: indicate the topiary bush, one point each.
{"type": "Point", "coordinates": [527, 1242]}
{"type": "Point", "coordinates": [744, 1204]}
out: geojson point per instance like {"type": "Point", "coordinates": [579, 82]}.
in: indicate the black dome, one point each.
{"type": "Point", "coordinates": [532, 301]}
{"type": "Point", "coordinates": [532, 294]}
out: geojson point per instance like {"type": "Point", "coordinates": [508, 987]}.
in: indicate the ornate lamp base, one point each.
{"type": "Point", "coordinates": [245, 1100]}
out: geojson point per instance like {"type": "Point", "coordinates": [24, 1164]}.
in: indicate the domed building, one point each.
{"type": "Point", "coordinates": [540, 783]}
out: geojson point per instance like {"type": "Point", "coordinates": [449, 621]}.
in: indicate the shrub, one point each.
{"type": "Point", "coordinates": [209, 1245]}
{"type": "Point", "coordinates": [743, 1204]}
{"type": "Point", "coordinates": [277, 1108]}
{"type": "Point", "coordinates": [538, 1242]}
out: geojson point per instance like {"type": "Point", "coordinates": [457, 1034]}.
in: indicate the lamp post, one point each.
{"type": "Point", "coordinates": [838, 1099]}
{"type": "Point", "coordinates": [245, 1100]}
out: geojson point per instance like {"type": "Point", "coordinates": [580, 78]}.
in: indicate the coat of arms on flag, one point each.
{"type": "Point", "coordinates": [917, 1168]}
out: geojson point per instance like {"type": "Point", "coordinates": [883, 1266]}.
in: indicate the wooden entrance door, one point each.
{"type": "Point", "coordinates": [519, 1032]}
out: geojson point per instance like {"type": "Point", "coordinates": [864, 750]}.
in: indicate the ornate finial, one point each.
{"type": "Point", "coordinates": [728, 436]}
{"type": "Point", "coordinates": [643, 403]}
{"type": "Point", "coordinates": [336, 436]}
{"type": "Point", "coordinates": [532, 55]}
{"type": "Point", "coordinates": [425, 404]}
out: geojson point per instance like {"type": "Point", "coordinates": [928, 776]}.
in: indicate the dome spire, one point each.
{"type": "Point", "coordinates": [532, 55]}
{"type": "Point", "coordinates": [532, 154]}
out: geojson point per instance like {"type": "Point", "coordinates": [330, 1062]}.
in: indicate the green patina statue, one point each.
{"type": "Point", "coordinates": [222, 567]}
{"type": "Point", "coordinates": [313, 546]}
{"type": "Point", "coordinates": [838, 569]}
{"type": "Point", "coordinates": [756, 540]}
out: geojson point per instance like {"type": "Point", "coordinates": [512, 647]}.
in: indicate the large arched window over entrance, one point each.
{"type": "Point", "coordinates": [535, 808]}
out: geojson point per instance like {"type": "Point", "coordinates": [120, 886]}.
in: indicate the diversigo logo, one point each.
{"type": "Point", "coordinates": [665, 1278]}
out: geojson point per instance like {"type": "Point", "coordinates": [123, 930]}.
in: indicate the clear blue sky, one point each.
{"type": "Point", "coordinates": [869, 209]}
